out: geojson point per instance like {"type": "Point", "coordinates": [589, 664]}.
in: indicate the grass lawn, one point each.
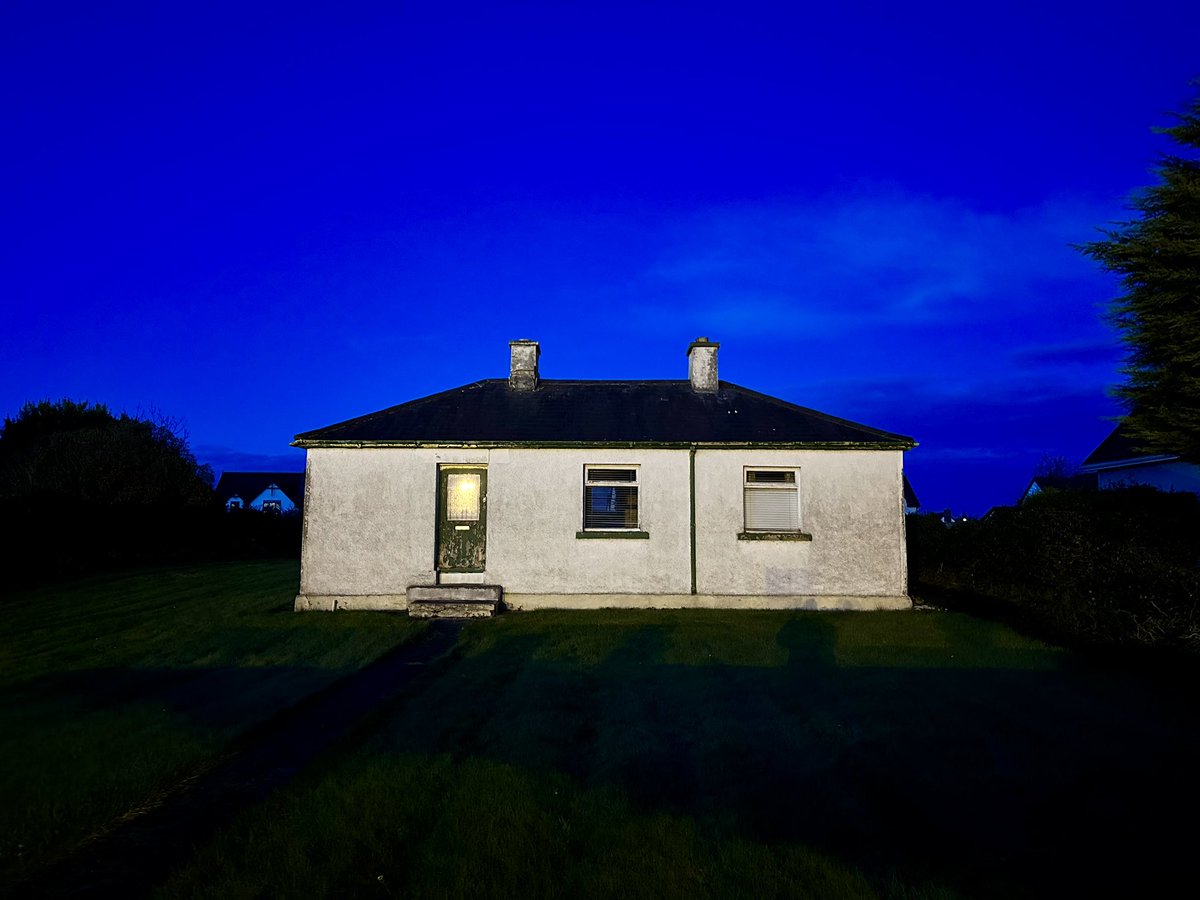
{"type": "Point", "coordinates": [736, 754]}
{"type": "Point", "coordinates": [114, 688]}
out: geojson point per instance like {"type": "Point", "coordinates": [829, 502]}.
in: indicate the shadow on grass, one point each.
{"type": "Point", "coordinates": [1045, 780]}
{"type": "Point", "coordinates": [218, 698]}
{"type": "Point", "coordinates": [85, 746]}
{"type": "Point", "coordinates": [1172, 666]}
{"type": "Point", "coordinates": [274, 742]}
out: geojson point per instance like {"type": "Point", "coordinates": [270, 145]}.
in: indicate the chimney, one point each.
{"type": "Point", "coordinates": [702, 365]}
{"type": "Point", "coordinates": [523, 371]}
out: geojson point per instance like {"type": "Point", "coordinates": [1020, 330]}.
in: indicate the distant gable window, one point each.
{"type": "Point", "coordinates": [771, 500]}
{"type": "Point", "coordinates": [610, 498]}
{"type": "Point", "coordinates": [272, 506]}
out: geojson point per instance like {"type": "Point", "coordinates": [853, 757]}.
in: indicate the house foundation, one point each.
{"type": "Point", "coordinates": [463, 601]}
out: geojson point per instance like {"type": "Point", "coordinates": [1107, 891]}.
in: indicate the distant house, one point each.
{"type": "Point", "coordinates": [1084, 481]}
{"type": "Point", "coordinates": [582, 494]}
{"type": "Point", "coordinates": [1118, 463]}
{"type": "Point", "coordinates": [912, 505]}
{"type": "Point", "coordinates": [280, 492]}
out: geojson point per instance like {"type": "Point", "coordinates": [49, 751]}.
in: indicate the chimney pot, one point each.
{"type": "Point", "coordinates": [702, 365]}
{"type": "Point", "coordinates": [523, 367]}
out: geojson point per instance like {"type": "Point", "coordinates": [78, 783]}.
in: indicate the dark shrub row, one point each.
{"type": "Point", "coordinates": [1103, 568]}
{"type": "Point", "coordinates": [51, 539]}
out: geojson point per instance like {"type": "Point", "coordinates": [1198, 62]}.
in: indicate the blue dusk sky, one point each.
{"type": "Point", "coordinates": [266, 219]}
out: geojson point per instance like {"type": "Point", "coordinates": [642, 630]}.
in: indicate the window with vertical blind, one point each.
{"type": "Point", "coordinates": [771, 501]}
{"type": "Point", "coordinates": [610, 498]}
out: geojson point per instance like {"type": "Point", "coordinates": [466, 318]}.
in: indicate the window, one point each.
{"type": "Point", "coordinates": [610, 498]}
{"type": "Point", "coordinates": [771, 501]}
{"type": "Point", "coordinates": [272, 506]}
{"type": "Point", "coordinates": [462, 497]}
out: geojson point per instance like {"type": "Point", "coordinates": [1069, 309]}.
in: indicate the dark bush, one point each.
{"type": "Point", "coordinates": [47, 541]}
{"type": "Point", "coordinates": [84, 489]}
{"type": "Point", "coordinates": [1112, 567]}
{"type": "Point", "coordinates": [80, 452]}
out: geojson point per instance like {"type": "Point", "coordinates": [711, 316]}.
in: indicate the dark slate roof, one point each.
{"type": "Point", "coordinates": [1120, 447]}
{"type": "Point", "coordinates": [910, 496]}
{"type": "Point", "coordinates": [599, 412]}
{"type": "Point", "coordinates": [249, 485]}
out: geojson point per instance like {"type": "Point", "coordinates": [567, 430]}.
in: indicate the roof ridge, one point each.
{"type": "Point", "coordinates": [605, 380]}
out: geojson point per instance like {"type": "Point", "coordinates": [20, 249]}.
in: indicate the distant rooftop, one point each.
{"type": "Point", "coordinates": [1119, 448]}
{"type": "Point", "coordinates": [1081, 481]}
{"type": "Point", "coordinates": [249, 485]}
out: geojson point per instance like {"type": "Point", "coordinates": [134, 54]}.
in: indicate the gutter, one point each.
{"type": "Point", "coordinates": [319, 443]}
{"type": "Point", "coordinates": [1125, 463]}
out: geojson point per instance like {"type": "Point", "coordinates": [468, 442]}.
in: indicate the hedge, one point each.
{"type": "Point", "coordinates": [1116, 567]}
{"type": "Point", "coordinates": [47, 540]}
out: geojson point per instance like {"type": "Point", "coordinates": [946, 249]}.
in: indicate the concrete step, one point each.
{"type": "Point", "coordinates": [454, 601]}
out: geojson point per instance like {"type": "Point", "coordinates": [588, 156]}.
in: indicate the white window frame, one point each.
{"type": "Point", "coordinates": [635, 484]}
{"type": "Point", "coordinates": [792, 487]}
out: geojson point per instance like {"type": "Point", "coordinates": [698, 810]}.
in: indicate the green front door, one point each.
{"type": "Point", "coordinates": [462, 519]}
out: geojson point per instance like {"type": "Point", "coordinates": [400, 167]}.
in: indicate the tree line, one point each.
{"type": "Point", "coordinates": [83, 488]}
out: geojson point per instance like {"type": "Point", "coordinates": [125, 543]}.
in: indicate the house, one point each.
{"type": "Point", "coordinates": [583, 494]}
{"type": "Point", "coordinates": [1118, 463]}
{"type": "Point", "coordinates": [1082, 481]}
{"type": "Point", "coordinates": [281, 492]}
{"type": "Point", "coordinates": [946, 517]}
{"type": "Point", "coordinates": [912, 505]}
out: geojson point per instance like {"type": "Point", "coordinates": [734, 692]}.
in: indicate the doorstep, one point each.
{"type": "Point", "coordinates": [454, 601]}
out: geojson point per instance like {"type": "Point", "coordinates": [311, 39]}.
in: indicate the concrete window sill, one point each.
{"type": "Point", "coordinates": [774, 536]}
{"type": "Point", "coordinates": [634, 535]}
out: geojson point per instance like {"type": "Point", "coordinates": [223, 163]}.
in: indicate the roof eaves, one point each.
{"type": "Point", "coordinates": [318, 443]}
{"type": "Point", "coordinates": [1126, 463]}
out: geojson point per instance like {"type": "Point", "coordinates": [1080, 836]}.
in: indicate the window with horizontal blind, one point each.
{"type": "Point", "coordinates": [771, 500]}
{"type": "Point", "coordinates": [610, 498]}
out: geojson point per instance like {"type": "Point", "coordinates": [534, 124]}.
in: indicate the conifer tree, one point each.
{"type": "Point", "coordinates": [1158, 258]}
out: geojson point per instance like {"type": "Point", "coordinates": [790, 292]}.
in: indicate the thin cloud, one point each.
{"type": "Point", "coordinates": [1078, 353]}
{"type": "Point", "coordinates": [228, 459]}
{"type": "Point", "coordinates": [955, 454]}
{"type": "Point", "coordinates": [874, 257]}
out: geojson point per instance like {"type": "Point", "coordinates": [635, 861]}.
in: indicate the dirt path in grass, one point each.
{"type": "Point", "coordinates": [141, 849]}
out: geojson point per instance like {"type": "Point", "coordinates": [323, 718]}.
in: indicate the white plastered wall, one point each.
{"type": "Point", "coordinates": [851, 502]}
{"type": "Point", "coordinates": [535, 509]}
{"type": "Point", "coordinates": [368, 521]}
{"type": "Point", "coordinates": [370, 516]}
